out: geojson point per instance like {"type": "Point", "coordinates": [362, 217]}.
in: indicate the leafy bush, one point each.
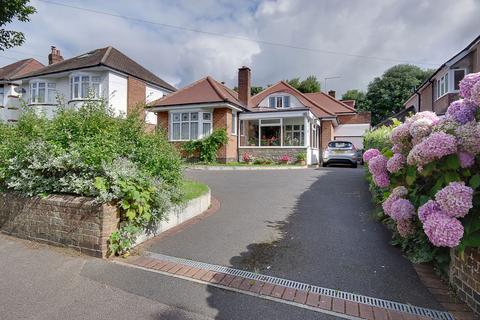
{"type": "Point", "coordinates": [207, 148]}
{"type": "Point", "coordinates": [89, 152]}
{"type": "Point", "coordinates": [301, 156]}
{"type": "Point", "coordinates": [428, 180]}
{"type": "Point", "coordinates": [379, 138]}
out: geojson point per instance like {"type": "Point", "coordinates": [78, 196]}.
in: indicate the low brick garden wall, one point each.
{"type": "Point", "coordinates": [465, 277]}
{"type": "Point", "coordinates": [75, 222]}
{"type": "Point", "coordinates": [272, 153]}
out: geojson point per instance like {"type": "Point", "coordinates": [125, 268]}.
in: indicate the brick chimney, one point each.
{"type": "Point", "coordinates": [54, 56]}
{"type": "Point", "coordinates": [244, 84]}
{"type": "Point", "coordinates": [331, 93]}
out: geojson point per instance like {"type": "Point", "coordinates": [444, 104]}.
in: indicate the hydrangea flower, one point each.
{"type": "Point", "coordinates": [420, 129]}
{"type": "Point", "coordinates": [405, 228]}
{"type": "Point", "coordinates": [425, 211]}
{"type": "Point", "coordinates": [397, 193]}
{"type": "Point", "coordinates": [381, 180]}
{"type": "Point", "coordinates": [369, 154]}
{"type": "Point", "coordinates": [446, 125]}
{"type": "Point", "coordinates": [400, 192]}
{"type": "Point", "coordinates": [397, 148]}
{"type": "Point", "coordinates": [467, 84]}
{"type": "Point", "coordinates": [462, 111]}
{"type": "Point", "coordinates": [434, 147]}
{"type": "Point", "coordinates": [400, 134]}
{"type": "Point", "coordinates": [396, 163]}
{"type": "Point", "coordinates": [468, 137]}
{"type": "Point", "coordinates": [455, 200]}
{"type": "Point", "coordinates": [442, 230]}
{"type": "Point", "coordinates": [378, 165]}
{"type": "Point", "coordinates": [424, 115]}
{"type": "Point", "coordinates": [475, 93]}
{"type": "Point", "coordinates": [466, 159]}
{"type": "Point", "coordinates": [401, 209]}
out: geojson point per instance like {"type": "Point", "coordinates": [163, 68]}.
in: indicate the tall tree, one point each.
{"type": "Point", "coordinates": [386, 94]}
{"type": "Point", "coordinates": [358, 96]}
{"type": "Point", "coordinates": [9, 11]}
{"type": "Point", "coordinates": [310, 84]}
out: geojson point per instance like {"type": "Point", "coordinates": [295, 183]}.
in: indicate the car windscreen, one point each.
{"type": "Point", "coordinates": [340, 144]}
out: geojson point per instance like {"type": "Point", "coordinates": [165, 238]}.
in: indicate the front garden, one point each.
{"type": "Point", "coordinates": [90, 152]}
{"type": "Point", "coordinates": [425, 176]}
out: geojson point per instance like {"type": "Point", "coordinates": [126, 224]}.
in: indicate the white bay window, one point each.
{"type": "Point", "coordinates": [186, 126]}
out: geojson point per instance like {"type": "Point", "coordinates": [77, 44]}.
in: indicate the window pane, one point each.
{"type": "Point", "coordinates": [271, 102]}
{"type": "Point", "coordinates": [270, 136]}
{"type": "Point", "coordinates": [41, 84]}
{"type": "Point", "coordinates": [176, 116]}
{"type": "Point", "coordinates": [75, 90]}
{"type": "Point", "coordinates": [457, 77]}
{"type": "Point", "coordinates": [270, 121]}
{"type": "Point", "coordinates": [34, 85]}
{"type": "Point", "coordinates": [296, 127]}
{"type": "Point", "coordinates": [96, 90]}
{"type": "Point", "coordinates": [234, 123]}
{"type": "Point", "coordinates": [194, 130]}
{"type": "Point", "coordinates": [206, 129]}
{"type": "Point", "coordinates": [176, 131]}
{"type": "Point", "coordinates": [207, 116]}
{"type": "Point", "coordinates": [250, 131]}
{"type": "Point", "coordinates": [286, 102]}
{"type": "Point", "coordinates": [185, 116]}
{"type": "Point", "coordinates": [41, 94]}
{"type": "Point", "coordinates": [51, 95]}
{"type": "Point", "coordinates": [279, 102]}
{"type": "Point", "coordinates": [194, 116]}
{"type": "Point", "coordinates": [185, 129]}
{"type": "Point", "coordinates": [288, 139]}
{"type": "Point", "coordinates": [95, 79]}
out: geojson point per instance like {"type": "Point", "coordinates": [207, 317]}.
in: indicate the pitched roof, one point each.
{"type": "Point", "coordinates": [19, 68]}
{"type": "Point", "coordinates": [205, 90]}
{"type": "Point", "coordinates": [350, 103]}
{"type": "Point", "coordinates": [282, 86]}
{"type": "Point", "coordinates": [108, 57]}
{"type": "Point", "coordinates": [330, 103]}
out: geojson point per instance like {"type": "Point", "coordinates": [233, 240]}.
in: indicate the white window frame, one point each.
{"type": "Point", "coordinates": [199, 122]}
{"type": "Point", "coordinates": [279, 99]}
{"type": "Point", "coordinates": [234, 123]}
{"type": "Point", "coordinates": [442, 86]}
{"type": "Point", "coordinates": [293, 131]}
{"type": "Point", "coordinates": [453, 77]}
{"type": "Point", "coordinates": [81, 83]}
{"type": "Point", "coordinates": [2, 95]}
{"type": "Point", "coordinates": [49, 86]}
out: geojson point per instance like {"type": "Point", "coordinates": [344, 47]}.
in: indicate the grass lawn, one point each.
{"type": "Point", "coordinates": [193, 189]}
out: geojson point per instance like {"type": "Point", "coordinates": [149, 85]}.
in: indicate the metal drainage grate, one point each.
{"type": "Point", "coordinates": [374, 302]}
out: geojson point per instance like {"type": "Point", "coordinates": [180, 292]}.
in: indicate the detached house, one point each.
{"type": "Point", "coordinates": [437, 92]}
{"type": "Point", "coordinates": [10, 89]}
{"type": "Point", "coordinates": [277, 121]}
{"type": "Point", "coordinates": [101, 73]}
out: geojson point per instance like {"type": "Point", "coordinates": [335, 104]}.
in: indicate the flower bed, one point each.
{"type": "Point", "coordinates": [90, 152]}
{"type": "Point", "coordinates": [428, 178]}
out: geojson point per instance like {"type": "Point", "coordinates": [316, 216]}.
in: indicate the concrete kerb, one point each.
{"type": "Point", "coordinates": [178, 215]}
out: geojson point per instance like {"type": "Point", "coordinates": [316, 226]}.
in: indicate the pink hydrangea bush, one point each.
{"type": "Point", "coordinates": [462, 111]}
{"type": "Point", "coordinates": [443, 231]}
{"type": "Point", "coordinates": [467, 84]}
{"type": "Point", "coordinates": [402, 209]}
{"type": "Point", "coordinates": [434, 147]}
{"type": "Point", "coordinates": [396, 163]}
{"type": "Point", "coordinates": [370, 153]}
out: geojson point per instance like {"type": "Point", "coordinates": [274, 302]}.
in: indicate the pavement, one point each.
{"type": "Point", "coordinates": [310, 225]}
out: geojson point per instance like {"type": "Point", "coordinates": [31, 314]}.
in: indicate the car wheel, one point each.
{"type": "Point", "coordinates": [354, 165]}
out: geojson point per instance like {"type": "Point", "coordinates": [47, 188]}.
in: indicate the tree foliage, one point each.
{"type": "Point", "coordinates": [386, 94]}
{"type": "Point", "coordinates": [359, 97]}
{"type": "Point", "coordinates": [9, 11]}
{"type": "Point", "coordinates": [310, 84]}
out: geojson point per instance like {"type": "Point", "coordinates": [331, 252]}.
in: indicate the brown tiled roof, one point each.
{"type": "Point", "coordinates": [206, 90]}
{"type": "Point", "coordinates": [108, 57]}
{"type": "Point", "coordinates": [330, 103]}
{"type": "Point", "coordinates": [19, 68]}
{"type": "Point", "coordinates": [350, 103]}
{"type": "Point", "coordinates": [282, 86]}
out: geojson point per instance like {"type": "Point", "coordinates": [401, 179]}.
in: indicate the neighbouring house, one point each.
{"type": "Point", "coordinates": [103, 73]}
{"type": "Point", "coordinates": [10, 90]}
{"type": "Point", "coordinates": [441, 88]}
{"type": "Point", "coordinates": [278, 121]}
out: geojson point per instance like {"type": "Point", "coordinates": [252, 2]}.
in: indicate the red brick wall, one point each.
{"type": "Point", "coordinates": [361, 117]}
{"type": "Point", "coordinates": [222, 118]}
{"type": "Point", "coordinates": [426, 103]}
{"type": "Point", "coordinates": [440, 106]}
{"type": "Point", "coordinates": [326, 134]}
{"type": "Point", "coordinates": [465, 277]}
{"type": "Point", "coordinates": [162, 120]}
{"type": "Point", "coordinates": [136, 93]}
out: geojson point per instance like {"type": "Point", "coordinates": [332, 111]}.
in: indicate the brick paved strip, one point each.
{"type": "Point", "coordinates": [289, 294]}
{"type": "Point", "coordinates": [141, 261]}
{"type": "Point", "coordinates": [208, 276]}
{"type": "Point", "coordinates": [227, 280]}
{"type": "Point", "coordinates": [151, 263]}
{"type": "Point", "coordinates": [191, 272]}
{"type": "Point", "coordinates": [218, 277]}
{"type": "Point", "coordinates": [277, 291]}
{"type": "Point", "coordinates": [236, 282]}
{"type": "Point", "coordinates": [168, 266]}
{"type": "Point", "coordinates": [267, 289]}
{"type": "Point", "coordinates": [313, 299]}
{"type": "Point", "coordinates": [159, 265]}
{"type": "Point", "coordinates": [183, 270]}
{"type": "Point", "coordinates": [176, 268]}
{"type": "Point", "coordinates": [300, 296]}
{"type": "Point", "coordinates": [257, 286]}
{"type": "Point", "coordinates": [352, 308]}
{"type": "Point", "coordinates": [394, 315]}
{"type": "Point", "coordinates": [199, 274]}
{"type": "Point", "coordinates": [338, 305]}
{"type": "Point", "coordinates": [366, 312]}
{"type": "Point", "coordinates": [380, 314]}
{"type": "Point", "coordinates": [325, 303]}
{"type": "Point", "coordinates": [246, 284]}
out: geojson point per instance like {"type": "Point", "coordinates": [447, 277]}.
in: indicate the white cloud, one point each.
{"type": "Point", "coordinates": [411, 30]}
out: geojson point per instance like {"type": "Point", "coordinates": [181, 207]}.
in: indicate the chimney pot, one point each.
{"type": "Point", "coordinates": [331, 93]}
{"type": "Point", "coordinates": [244, 85]}
{"type": "Point", "coordinates": [54, 55]}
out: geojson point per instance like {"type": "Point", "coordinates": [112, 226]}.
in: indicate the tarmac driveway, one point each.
{"type": "Point", "coordinates": [306, 225]}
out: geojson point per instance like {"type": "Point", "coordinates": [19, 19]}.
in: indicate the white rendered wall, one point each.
{"type": "Point", "coordinates": [294, 103]}
{"type": "Point", "coordinates": [117, 93]}
{"type": "Point", "coordinates": [152, 94]}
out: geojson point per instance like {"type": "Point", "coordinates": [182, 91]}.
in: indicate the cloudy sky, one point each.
{"type": "Point", "coordinates": [350, 39]}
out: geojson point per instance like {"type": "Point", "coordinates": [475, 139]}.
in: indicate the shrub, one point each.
{"type": "Point", "coordinates": [379, 138]}
{"type": "Point", "coordinates": [246, 157]}
{"type": "Point", "coordinates": [284, 158]}
{"type": "Point", "coordinates": [301, 156]}
{"type": "Point", "coordinates": [207, 148]}
{"type": "Point", "coordinates": [89, 152]}
{"type": "Point", "coordinates": [434, 162]}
